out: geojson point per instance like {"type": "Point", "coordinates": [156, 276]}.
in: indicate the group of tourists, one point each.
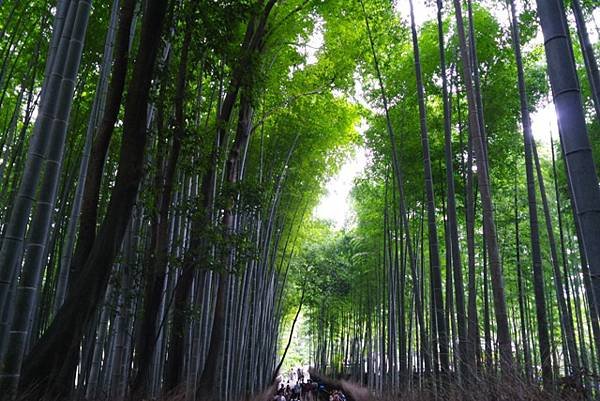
{"type": "Point", "coordinates": [302, 390]}
{"type": "Point", "coordinates": [306, 390]}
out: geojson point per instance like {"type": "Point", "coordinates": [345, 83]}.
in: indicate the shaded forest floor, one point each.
{"type": "Point", "coordinates": [566, 389]}
{"type": "Point", "coordinates": [484, 389]}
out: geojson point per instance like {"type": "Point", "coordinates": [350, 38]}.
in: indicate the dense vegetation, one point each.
{"type": "Point", "coordinates": [161, 161]}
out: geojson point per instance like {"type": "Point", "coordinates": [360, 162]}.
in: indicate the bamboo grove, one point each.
{"type": "Point", "coordinates": [439, 277]}
{"type": "Point", "coordinates": [161, 160]}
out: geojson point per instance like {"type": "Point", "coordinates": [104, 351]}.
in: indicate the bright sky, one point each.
{"type": "Point", "coordinates": [336, 206]}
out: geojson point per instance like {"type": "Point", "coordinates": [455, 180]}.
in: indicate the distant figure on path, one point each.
{"type": "Point", "coordinates": [279, 396]}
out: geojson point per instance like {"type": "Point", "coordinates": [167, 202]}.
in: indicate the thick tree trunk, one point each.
{"type": "Point", "coordinates": [12, 245]}
{"type": "Point", "coordinates": [585, 273]}
{"type": "Point", "coordinates": [27, 289]}
{"type": "Point", "coordinates": [95, 168]}
{"type": "Point", "coordinates": [573, 133]}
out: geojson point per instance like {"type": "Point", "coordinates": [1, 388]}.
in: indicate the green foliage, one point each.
{"type": "Point", "coordinates": [310, 82]}
{"type": "Point", "coordinates": [343, 271]}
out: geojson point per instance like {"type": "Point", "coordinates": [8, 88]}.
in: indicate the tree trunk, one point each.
{"type": "Point", "coordinates": [434, 255]}
{"type": "Point", "coordinates": [504, 337]}
{"type": "Point", "coordinates": [521, 294]}
{"type": "Point", "coordinates": [534, 235]}
{"type": "Point", "coordinates": [589, 58]}
{"type": "Point", "coordinates": [573, 133]}
{"type": "Point", "coordinates": [158, 264]}
{"type": "Point", "coordinates": [49, 368]}
{"type": "Point", "coordinates": [255, 45]}
{"type": "Point", "coordinates": [98, 104]}
{"type": "Point", "coordinates": [466, 363]}
{"type": "Point", "coordinates": [585, 273]}
{"type": "Point", "coordinates": [566, 318]}
{"type": "Point", "coordinates": [40, 225]}
{"type": "Point", "coordinates": [93, 179]}
{"type": "Point", "coordinates": [401, 200]}
{"type": "Point", "coordinates": [12, 244]}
